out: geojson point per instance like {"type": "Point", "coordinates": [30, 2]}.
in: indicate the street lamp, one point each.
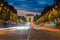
{"type": "Point", "coordinates": [56, 6]}
{"type": "Point", "coordinates": [1, 4]}
{"type": "Point", "coordinates": [57, 10]}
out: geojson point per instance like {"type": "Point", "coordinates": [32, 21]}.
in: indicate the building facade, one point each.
{"type": "Point", "coordinates": [7, 13]}
{"type": "Point", "coordinates": [50, 13]}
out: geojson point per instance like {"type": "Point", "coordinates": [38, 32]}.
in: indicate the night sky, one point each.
{"type": "Point", "coordinates": [30, 5]}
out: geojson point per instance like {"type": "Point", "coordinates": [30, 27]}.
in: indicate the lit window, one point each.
{"type": "Point", "coordinates": [7, 9]}
{"type": "Point", "coordinates": [4, 7]}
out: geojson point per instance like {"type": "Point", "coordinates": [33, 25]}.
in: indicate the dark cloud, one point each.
{"type": "Point", "coordinates": [30, 5]}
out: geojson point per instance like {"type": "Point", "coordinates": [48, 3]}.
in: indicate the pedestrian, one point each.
{"type": "Point", "coordinates": [59, 23]}
{"type": "Point", "coordinates": [53, 24]}
{"type": "Point", "coordinates": [56, 22]}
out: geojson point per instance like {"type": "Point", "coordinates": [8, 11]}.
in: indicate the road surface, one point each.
{"type": "Point", "coordinates": [31, 34]}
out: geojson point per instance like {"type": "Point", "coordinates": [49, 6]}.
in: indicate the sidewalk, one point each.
{"type": "Point", "coordinates": [4, 31]}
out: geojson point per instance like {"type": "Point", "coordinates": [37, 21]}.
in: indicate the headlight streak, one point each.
{"type": "Point", "coordinates": [23, 27]}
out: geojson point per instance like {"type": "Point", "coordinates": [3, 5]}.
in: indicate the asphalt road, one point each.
{"type": "Point", "coordinates": [44, 35]}
{"type": "Point", "coordinates": [31, 34]}
{"type": "Point", "coordinates": [15, 35]}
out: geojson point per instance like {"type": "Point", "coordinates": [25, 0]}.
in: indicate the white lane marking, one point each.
{"type": "Point", "coordinates": [29, 35]}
